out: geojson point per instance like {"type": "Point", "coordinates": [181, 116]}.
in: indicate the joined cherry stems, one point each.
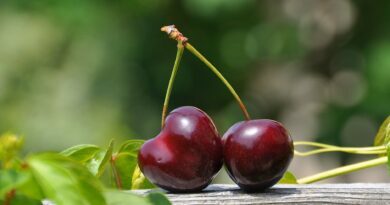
{"type": "Point", "coordinates": [175, 34]}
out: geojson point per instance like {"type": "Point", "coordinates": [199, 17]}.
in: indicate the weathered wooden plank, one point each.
{"type": "Point", "coordinates": [287, 194]}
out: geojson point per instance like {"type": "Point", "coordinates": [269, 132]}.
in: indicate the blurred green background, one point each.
{"type": "Point", "coordinates": [86, 71]}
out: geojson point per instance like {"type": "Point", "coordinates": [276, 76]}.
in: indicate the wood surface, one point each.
{"type": "Point", "coordinates": [361, 193]}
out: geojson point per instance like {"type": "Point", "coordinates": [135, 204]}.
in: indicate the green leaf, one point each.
{"type": "Point", "coordinates": [383, 135]}
{"type": "Point", "coordinates": [129, 173]}
{"type": "Point", "coordinates": [139, 181]}
{"type": "Point", "coordinates": [288, 178]}
{"type": "Point", "coordinates": [125, 164]}
{"type": "Point", "coordinates": [81, 153]}
{"type": "Point", "coordinates": [158, 199]}
{"type": "Point", "coordinates": [388, 158]}
{"type": "Point", "coordinates": [93, 157]}
{"type": "Point", "coordinates": [115, 197]}
{"type": "Point", "coordinates": [64, 181]}
{"type": "Point", "coordinates": [98, 163]}
{"type": "Point", "coordinates": [11, 179]}
{"type": "Point", "coordinates": [19, 199]}
{"type": "Point", "coordinates": [131, 146]}
{"type": "Point", "coordinates": [127, 168]}
{"type": "Point", "coordinates": [31, 188]}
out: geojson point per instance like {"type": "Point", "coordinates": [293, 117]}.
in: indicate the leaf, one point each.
{"type": "Point", "coordinates": [129, 173]}
{"type": "Point", "coordinates": [65, 181]}
{"type": "Point", "coordinates": [97, 164]}
{"type": "Point", "coordinates": [158, 199]}
{"type": "Point", "coordinates": [81, 153]}
{"type": "Point", "coordinates": [93, 157]}
{"type": "Point", "coordinates": [388, 158]}
{"type": "Point", "coordinates": [383, 135]}
{"type": "Point", "coordinates": [139, 181]}
{"type": "Point", "coordinates": [125, 164]}
{"type": "Point", "coordinates": [131, 146]}
{"type": "Point", "coordinates": [31, 188]}
{"type": "Point", "coordinates": [19, 199]}
{"type": "Point", "coordinates": [288, 178]}
{"type": "Point", "coordinates": [115, 197]}
{"type": "Point", "coordinates": [11, 179]}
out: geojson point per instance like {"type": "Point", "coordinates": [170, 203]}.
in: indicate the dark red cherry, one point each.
{"type": "Point", "coordinates": [257, 153]}
{"type": "Point", "coordinates": [186, 155]}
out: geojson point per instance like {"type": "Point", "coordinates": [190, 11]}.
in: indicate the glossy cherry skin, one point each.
{"type": "Point", "coordinates": [257, 153]}
{"type": "Point", "coordinates": [186, 155]}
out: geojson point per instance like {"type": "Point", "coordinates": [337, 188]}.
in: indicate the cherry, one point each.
{"type": "Point", "coordinates": [257, 153]}
{"type": "Point", "coordinates": [186, 155]}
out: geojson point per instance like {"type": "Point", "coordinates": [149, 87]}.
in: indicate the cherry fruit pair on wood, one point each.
{"type": "Point", "coordinates": [188, 152]}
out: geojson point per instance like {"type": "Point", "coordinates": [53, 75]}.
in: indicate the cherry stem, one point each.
{"type": "Point", "coordinates": [332, 148]}
{"type": "Point", "coordinates": [9, 196]}
{"type": "Point", "coordinates": [179, 54]}
{"type": "Point", "coordinates": [117, 177]}
{"type": "Point", "coordinates": [318, 151]}
{"type": "Point", "coordinates": [220, 76]}
{"type": "Point", "coordinates": [342, 170]}
{"type": "Point", "coordinates": [175, 34]}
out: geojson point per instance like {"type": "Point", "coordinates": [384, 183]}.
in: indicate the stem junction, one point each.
{"type": "Point", "coordinates": [175, 34]}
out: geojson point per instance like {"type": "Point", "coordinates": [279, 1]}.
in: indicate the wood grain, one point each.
{"type": "Point", "coordinates": [286, 194]}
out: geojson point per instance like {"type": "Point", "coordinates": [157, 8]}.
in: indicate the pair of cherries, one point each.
{"type": "Point", "coordinates": [188, 152]}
